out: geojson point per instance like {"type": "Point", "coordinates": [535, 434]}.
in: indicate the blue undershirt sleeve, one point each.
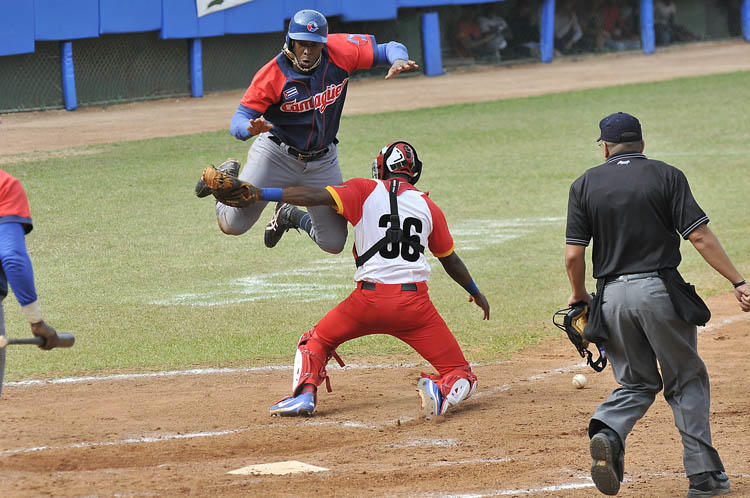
{"type": "Point", "coordinates": [16, 262]}
{"type": "Point", "coordinates": [241, 120]}
{"type": "Point", "coordinates": [389, 52]}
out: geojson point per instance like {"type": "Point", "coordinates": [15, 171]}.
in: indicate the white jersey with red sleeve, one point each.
{"type": "Point", "coordinates": [365, 203]}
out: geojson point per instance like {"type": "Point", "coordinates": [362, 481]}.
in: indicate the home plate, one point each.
{"type": "Point", "coordinates": [277, 468]}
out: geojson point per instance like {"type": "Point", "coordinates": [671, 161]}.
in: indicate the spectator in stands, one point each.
{"type": "Point", "coordinates": [733, 9]}
{"type": "Point", "coordinates": [594, 34]}
{"type": "Point", "coordinates": [665, 27]}
{"type": "Point", "coordinates": [524, 24]}
{"type": "Point", "coordinates": [469, 40]}
{"type": "Point", "coordinates": [617, 27]}
{"type": "Point", "coordinates": [490, 21]}
{"type": "Point", "coordinates": [568, 30]}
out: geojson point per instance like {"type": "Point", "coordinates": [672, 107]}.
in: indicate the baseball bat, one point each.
{"type": "Point", "coordinates": [65, 340]}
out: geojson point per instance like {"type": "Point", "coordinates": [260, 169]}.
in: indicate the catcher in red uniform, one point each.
{"type": "Point", "coordinates": [393, 224]}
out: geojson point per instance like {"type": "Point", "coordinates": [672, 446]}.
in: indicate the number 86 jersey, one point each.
{"type": "Point", "coordinates": [366, 205]}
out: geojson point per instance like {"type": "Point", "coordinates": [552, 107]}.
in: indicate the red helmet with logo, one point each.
{"type": "Point", "coordinates": [397, 158]}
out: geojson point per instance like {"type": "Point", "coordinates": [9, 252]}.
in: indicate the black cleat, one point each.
{"type": "Point", "coordinates": [708, 484]}
{"type": "Point", "coordinates": [230, 167]}
{"type": "Point", "coordinates": [280, 223]}
{"type": "Point", "coordinates": [606, 465]}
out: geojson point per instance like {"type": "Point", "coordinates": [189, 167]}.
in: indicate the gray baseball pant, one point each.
{"type": "Point", "coordinates": [643, 329]}
{"type": "Point", "coordinates": [269, 165]}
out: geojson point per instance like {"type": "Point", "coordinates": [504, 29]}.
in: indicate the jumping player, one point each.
{"type": "Point", "coordinates": [15, 223]}
{"type": "Point", "coordinates": [293, 106]}
{"type": "Point", "coordinates": [393, 223]}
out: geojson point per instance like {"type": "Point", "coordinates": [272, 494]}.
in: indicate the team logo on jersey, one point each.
{"type": "Point", "coordinates": [312, 26]}
{"type": "Point", "coordinates": [292, 92]}
{"type": "Point", "coordinates": [318, 101]}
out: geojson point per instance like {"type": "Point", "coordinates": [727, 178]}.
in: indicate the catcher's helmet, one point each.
{"type": "Point", "coordinates": [400, 158]}
{"type": "Point", "coordinates": [309, 25]}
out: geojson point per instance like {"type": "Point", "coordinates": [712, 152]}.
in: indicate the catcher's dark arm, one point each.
{"type": "Point", "coordinates": [456, 269]}
{"type": "Point", "coordinates": [307, 196]}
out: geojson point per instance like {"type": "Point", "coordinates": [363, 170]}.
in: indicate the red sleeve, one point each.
{"type": "Point", "coordinates": [351, 52]}
{"type": "Point", "coordinates": [14, 206]}
{"type": "Point", "coordinates": [350, 196]}
{"type": "Point", "coordinates": [440, 240]}
{"type": "Point", "coordinates": [265, 89]}
{"type": "Point", "coordinates": [13, 201]}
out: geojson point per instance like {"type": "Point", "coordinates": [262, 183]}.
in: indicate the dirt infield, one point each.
{"type": "Point", "coordinates": [522, 433]}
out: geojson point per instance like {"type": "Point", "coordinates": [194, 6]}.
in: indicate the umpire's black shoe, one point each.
{"type": "Point", "coordinates": [279, 224]}
{"type": "Point", "coordinates": [230, 167]}
{"type": "Point", "coordinates": [708, 484]}
{"type": "Point", "coordinates": [607, 461]}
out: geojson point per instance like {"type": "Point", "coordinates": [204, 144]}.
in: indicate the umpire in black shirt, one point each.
{"type": "Point", "coordinates": [636, 209]}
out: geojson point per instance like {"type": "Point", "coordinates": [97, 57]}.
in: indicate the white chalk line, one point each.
{"type": "Point", "coordinates": [137, 440]}
{"type": "Point", "coordinates": [304, 283]}
{"type": "Point", "coordinates": [195, 371]}
{"type": "Point", "coordinates": [423, 442]}
{"type": "Point", "coordinates": [471, 461]}
{"type": "Point", "coordinates": [353, 366]}
{"type": "Point", "coordinates": [523, 491]}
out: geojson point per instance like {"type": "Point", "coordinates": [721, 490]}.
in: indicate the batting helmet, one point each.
{"type": "Point", "coordinates": [397, 158]}
{"type": "Point", "coordinates": [309, 25]}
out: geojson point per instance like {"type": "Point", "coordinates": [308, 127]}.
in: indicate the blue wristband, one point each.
{"type": "Point", "coordinates": [271, 194]}
{"type": "Point", "coordinates": [472, 288]}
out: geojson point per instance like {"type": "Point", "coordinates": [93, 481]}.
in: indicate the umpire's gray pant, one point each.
{"type": "Point", "coordinates": [268, 165]}
{"type": "Point", "coordinates": [643, 329]}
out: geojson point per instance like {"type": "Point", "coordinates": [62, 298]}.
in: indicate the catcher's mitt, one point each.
{"type": "Point", "coordinates": [574, 321]}
{"type": "Point", "coordinates": [229, 189]}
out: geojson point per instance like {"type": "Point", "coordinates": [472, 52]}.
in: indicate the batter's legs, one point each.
{"type": "Point", "coordinates": [2, 350]}
{"type": "Point", "coordinates": [268, 165]}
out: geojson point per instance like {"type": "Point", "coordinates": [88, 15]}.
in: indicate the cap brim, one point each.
{"type": "Point", "coordinates": [308, 37]}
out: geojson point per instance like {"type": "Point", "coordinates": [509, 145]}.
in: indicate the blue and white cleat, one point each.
{"type": "Point", "coordinates": [302, 405]}
{"type": "Point", "coordinates": [433, 402]}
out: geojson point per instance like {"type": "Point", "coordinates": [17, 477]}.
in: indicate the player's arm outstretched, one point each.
{"type": "Point", "coordinates": [457, 270]}
{"type": "Point", "coordinates": [306, 196]}
{"type": "Point", "coordinates": [395, 54]}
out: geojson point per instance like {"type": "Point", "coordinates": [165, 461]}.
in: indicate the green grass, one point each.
{"type": "Point", "coordinates": [119, 234]}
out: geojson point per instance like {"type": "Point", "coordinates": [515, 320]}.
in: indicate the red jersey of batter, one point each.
{"type": "Point", "coordinates": [14, 206]}
{"type": "Point", "coordinates": [305, 108]}
{"type": "Point", "coordinates": [365, 203]}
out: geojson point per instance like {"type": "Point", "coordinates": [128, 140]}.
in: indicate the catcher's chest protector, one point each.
{"type": "Point", "coordinates": [393, 234]}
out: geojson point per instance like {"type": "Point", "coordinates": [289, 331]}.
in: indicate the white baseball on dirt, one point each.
{"type": "Point", "coordinates": [579, 381]}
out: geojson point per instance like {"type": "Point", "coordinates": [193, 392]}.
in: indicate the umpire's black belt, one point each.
{"type": "Point", "coordinates": [365, 285]}
{"type": "Point", "coordinates": [305, 156]}
{"type": "Point", "coordinates": [630, 276]}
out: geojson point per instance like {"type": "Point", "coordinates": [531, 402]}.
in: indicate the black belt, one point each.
{"type": "Point", "coordinates": [630, 276]}
{"type": "Point", "coordinates": [302, 155]}
{"type": "Point", "coordinates": [372, 285]}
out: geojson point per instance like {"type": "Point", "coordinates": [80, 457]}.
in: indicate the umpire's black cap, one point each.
{"type": "Point", "coordinates": [620, 127]}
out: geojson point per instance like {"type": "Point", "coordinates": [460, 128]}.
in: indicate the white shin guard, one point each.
{"type": "Point", "coordinates": [297, 369]}
{"type": "Point", "coordinates": [460, 390]}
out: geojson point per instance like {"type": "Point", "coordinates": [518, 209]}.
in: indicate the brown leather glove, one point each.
{"type": "Point", "coordinates": [41, 329]}
{"type": "Point", "coordinates": [230, 190]}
